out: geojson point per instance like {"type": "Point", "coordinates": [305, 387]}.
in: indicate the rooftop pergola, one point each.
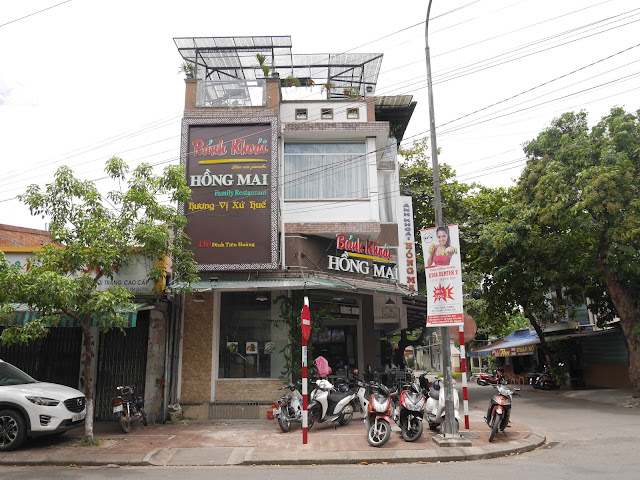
{"type": "Point", "coordinates": [235, 58]}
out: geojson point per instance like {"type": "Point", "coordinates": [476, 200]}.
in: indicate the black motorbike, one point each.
{"type": "Point", "coordinates": [128, 408]}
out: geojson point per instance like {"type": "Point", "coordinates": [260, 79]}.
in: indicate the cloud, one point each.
{"type": "Point", "coordinates": [16, 95]}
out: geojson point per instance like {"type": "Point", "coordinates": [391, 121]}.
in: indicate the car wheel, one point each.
{"type": "Point", "coordinates": [13, 431]}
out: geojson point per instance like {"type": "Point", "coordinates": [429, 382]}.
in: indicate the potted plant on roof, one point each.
{"type": "Point", "coordinates": [261, 62]}
{"type": "Point", "coordinates": [188, 69]}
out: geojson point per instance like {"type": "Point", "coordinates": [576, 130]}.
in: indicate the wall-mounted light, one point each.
{"type": "Point", "coordinates": [261, 297]}
{"type": "Point", "coordinates": [198, 298]}
{"type": "Point", "coordinates": [337, 298]}
{"type": "Point", "coordinates": [390, 303]}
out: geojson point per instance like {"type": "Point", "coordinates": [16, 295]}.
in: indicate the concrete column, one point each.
{"type": "Point", "coordinates": [367, 333]}
{"type": "Point", "coordinates": [155, 364]}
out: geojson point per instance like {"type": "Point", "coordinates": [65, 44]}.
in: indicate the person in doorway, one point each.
{"type": "Point", "coordinates": [390, 371]}
{"type": "Point", "coordinates": [441, 253]}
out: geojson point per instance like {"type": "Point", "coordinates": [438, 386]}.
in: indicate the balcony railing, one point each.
{"type": "Point", "coordinates": [232, 93]}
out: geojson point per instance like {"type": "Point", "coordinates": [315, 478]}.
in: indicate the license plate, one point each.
{"type": "Point", "coordinates": [276, 411]}
{"type": "Point", "coordinates": [78, 416]}
{"type": "Point", "coordinates": [117, 408]}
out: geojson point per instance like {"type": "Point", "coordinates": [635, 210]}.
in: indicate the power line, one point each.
{"type": "Point", "coordinates": [35, 13]}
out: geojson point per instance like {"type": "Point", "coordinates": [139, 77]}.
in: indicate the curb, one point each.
{"type": "Point", "coordinates": [248, 456]}
{"type": "Point", "coordinates": [443, 454]}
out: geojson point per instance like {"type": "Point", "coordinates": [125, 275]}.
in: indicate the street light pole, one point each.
{"type": "Point", "coordinates": [450, 427]}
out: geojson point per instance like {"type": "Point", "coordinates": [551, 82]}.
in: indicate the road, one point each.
{"type": "Point", "coordinates": [585, 440]}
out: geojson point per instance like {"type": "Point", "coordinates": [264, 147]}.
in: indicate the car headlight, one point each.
{"type": "Point", "coordinates": [47, 402]}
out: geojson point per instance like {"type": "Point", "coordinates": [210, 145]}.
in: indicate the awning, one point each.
{"type": "Point", "coordinates": [484, 351]}
{"type": "Point", "coordinates": [310, 283]}
{"type": "Point", "coordinates": [517, 344]}
{"type": "Point", "coordinates": [24, 315]}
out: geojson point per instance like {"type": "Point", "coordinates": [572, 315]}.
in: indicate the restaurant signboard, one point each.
{"type": "Point", "coordinates": [232, 170]}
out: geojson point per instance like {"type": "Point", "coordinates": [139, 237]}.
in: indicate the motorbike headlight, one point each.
{"type": "Point", "coordinates": [44, 401]}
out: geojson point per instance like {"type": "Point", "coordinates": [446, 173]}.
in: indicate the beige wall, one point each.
{"type": "Point", "coordinates": [197, 341]}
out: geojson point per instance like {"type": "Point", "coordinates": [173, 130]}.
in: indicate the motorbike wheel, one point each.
{"type": "Point", "coordinates": [496, 424]}
{"type": "Point", "coordinates": [125, 423]}
{"type": "Point", "coordinates": [377, 437]}
{"type": "Point", "coordinates": [285, 425]}
{"type": "Point", "coordinates": [503, 381]}
{"type": "Point", "coordinates": [347, 415]}
{"type": "Point", "coordinates": [478, 381]}
{"type": "Point", "coordinates": [412, 430]}
{"type": "Point", "coordinates": [312, 416]}
{"type": "Point", "coordinates": [535, 384]}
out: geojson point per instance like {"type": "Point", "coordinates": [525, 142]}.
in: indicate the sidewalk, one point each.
{"type": "Point", "coordinates": [261, 442]}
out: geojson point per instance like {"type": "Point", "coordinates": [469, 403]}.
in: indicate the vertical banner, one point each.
{"type": "Point", "coordinates": [406, 243]}
{"type": "Point", "coordinates": [441, 250]}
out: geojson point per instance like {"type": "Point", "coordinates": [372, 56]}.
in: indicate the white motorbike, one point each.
{"type": "Point", "coordinates": [288, 408]}
{"type": "Point", "coordinates": [435, 411]}
{"type": "Point", "coordinates": [328, 405]}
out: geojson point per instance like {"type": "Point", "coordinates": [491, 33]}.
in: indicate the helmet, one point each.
{"type": "Point", "coordinates": [343, 388]}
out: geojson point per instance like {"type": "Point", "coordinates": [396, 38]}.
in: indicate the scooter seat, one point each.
{"type": "Point", "coordinates": [336, 397]}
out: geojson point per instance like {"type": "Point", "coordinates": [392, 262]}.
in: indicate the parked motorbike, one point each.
{"type": "Point", "coordinates": [409, 411]}
{"type": "Point", "coordinates": [128, 408]}
{"type": "Point", "coordinates": [377, 420]}
{"type": "Point", "coordinates": [435, 407]}
{"type": "Point", "coordinates": [288, 408]}
{"type": "Point", "coordinates": [500, 410]}
{"type": "Point", "coordinates": [544, 380]}
{"type": "Point", "coordinates": [488, 379]}
{"type": "Point", "coordinates": [329, 405]}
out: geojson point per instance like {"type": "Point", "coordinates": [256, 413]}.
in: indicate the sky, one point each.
{"type": "Point", "coordinates": [82, 81]}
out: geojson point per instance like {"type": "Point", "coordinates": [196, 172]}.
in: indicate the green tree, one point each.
{"type": "Point", "coordinates": [471, 206]}
{"type": "Point", "coordinates": [583, 187]}
{"type": "Point", "coordinates": [290, 311]}
{"type": "Point", "coordinates": [93, 237]}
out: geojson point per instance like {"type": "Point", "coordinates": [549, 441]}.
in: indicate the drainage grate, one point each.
{"type": "Point", "coordinates": [219, 410]}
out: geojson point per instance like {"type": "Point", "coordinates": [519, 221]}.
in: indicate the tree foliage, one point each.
{"type": "Point", "coordinates": [93, 237]}
{"type": "Point", "coordinates": [290, 311]}
{"type": "Point", "coordinates": [582, 188]}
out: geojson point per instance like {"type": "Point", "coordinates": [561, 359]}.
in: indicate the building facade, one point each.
{"type": "Point", "coordinates": [292, 164]}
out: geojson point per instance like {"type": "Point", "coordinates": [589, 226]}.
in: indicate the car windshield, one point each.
{"type": "Point", "coordinates": [10, 375]}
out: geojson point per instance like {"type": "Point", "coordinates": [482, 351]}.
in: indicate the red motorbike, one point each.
{"type": "Point", "coordinates": [488, 379]}
{"type": "Point", "coordinates": [500, 410]}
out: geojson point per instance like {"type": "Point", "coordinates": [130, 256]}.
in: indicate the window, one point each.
{"type": "Point", "coordinates": [302, 114]}
{"type": "Point", "coordinates": [315, 171]}
{"type": "Point", "coordinates": [326, 113]}
{"type": "Point", "coordinates": [250, 342]}
{"type": "Point", "coordinates": [353, 113]}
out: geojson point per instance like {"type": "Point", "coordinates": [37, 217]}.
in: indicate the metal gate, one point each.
{"type": "Point", "coordinates": [122, 360]}
{"type": "Point", "coordinates": [54, 358]}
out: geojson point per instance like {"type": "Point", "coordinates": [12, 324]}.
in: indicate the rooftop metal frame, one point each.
{"type": "Point", "coordinates": [225, 58]}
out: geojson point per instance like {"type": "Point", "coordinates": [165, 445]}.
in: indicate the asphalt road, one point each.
{"type": "Point", "coordinates": [585, 440]}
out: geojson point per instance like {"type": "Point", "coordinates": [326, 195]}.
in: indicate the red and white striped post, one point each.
{"type": "Point", "coordinates": [463, 368]}
{"type": "Point", "coordinates": [305, 323]}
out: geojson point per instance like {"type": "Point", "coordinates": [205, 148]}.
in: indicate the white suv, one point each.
{"type": "Point", "coordinates": [29, 408]}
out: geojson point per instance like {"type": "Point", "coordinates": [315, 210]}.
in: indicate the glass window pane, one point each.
{"type": "Point", "coordinates": [325, 171]}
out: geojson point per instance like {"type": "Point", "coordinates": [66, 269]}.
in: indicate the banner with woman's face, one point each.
{"type": "Point", "coordinates": [441, 249]}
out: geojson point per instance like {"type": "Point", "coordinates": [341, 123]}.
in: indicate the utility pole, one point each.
{"type": "Point", "coordinates": [449, 409]}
